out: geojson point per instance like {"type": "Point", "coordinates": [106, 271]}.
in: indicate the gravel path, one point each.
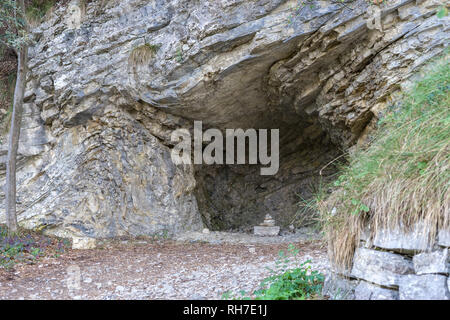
{"type": "Point", "coordinates": [189, 268]}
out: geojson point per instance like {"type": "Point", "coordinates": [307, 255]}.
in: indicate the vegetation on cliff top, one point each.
{"type": "Point", "coordinates": [403, 176]}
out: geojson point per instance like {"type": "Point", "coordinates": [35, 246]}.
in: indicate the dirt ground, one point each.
{"type": "Point", "coordinates": [152, 269]}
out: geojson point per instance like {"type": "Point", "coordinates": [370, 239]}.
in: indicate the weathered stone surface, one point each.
{"type": "Point", "coordinates": [339, 288]}
{"type": "Point", "coordinates": [424, 287]}
{"type": "Point", "coordinates": [83, 243]}
{"type": "Point", "coordinates": [444, 238]}
{"type": "Point", "coordinates": [403, 240]}
{"type": "Point", "coordinates": [432, 262]}
{"type": "Point", "coordinates": [266, 231]}
{"type": "Point", "coordinates": [365, 236]}
{"type": "Point", "coordinates": [368, 291]}
{"type": "Point", "coordinates": [382, 268]}
{"type": "Point", "coordinates": [94, 158]}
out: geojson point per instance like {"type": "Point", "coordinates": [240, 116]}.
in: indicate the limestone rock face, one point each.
{"type": "Point", "coordinates": [105, 179]}
{"type": "Point", "coordinates": [266, 231]}
{"type": "Point", "coordinates": [94, 158]}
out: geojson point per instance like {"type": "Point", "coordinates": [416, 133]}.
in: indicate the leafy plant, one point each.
{"type": "Point", "coordinates": [302, 4]}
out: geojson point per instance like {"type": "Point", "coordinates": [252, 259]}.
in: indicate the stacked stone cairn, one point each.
{"type": "Point", "coordinates": [267, 228]}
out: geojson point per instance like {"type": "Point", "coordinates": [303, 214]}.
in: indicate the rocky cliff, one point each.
{"type": "Point", "coordinates": [110, 80]}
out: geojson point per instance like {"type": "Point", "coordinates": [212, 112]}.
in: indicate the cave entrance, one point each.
{"type": "Point", "coordinates": [236, 197]}
{"type": "Point", "coordinates": [260, 91]}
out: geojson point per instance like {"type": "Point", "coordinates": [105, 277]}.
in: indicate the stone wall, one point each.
{"type": "Point", "coordinates": [94, 154]}
{"type": "Point", "coordinates": [395, 265]}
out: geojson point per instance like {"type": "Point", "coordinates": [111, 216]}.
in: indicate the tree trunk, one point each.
{"type": "Point", "coordinates": [14, 134]}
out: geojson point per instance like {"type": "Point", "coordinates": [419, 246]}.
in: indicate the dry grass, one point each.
{"type": "Point", "coordinates": [142, 54]}
{"type": "Point", "coordinates": [402, 178]}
